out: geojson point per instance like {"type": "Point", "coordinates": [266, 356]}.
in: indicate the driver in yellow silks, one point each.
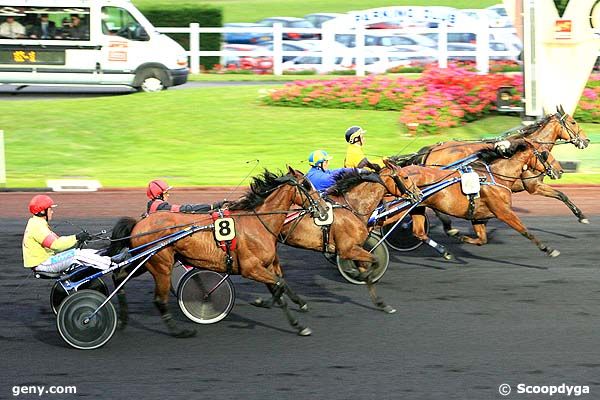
{"type": "Point", "coordinates": [355, 155]}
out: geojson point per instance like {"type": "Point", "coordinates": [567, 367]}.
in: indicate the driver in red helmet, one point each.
{"type": "Point", "coordinates": [45, 251]}
{"type": "Point", "coordinates": [158, 193]}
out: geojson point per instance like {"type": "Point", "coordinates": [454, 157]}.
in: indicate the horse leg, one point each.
{"type": "Point", "coordinates": [365, 261]}
{"type": "Point", "coordinates": [541, 189]}
{"type": "Point", "coordinates": [480, 233]}
{"type": "Point", "coordinates": [505, 214]}
{"type": "Point", "coordinates": [276, 269]}
{"type": "Point", "coordinates": [419, 232]}
{"type": "Point", "coordinates": [279, 286]}
{"type": "Point", "coordinates": [446, 223]}
{"type": "Point", "coordinates": [163, 283]}
{"type": "Point", "coordinates": [122, 298]}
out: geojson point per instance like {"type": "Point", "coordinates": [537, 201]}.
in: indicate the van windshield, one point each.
{"type": "Point", "coordinates": [47, 23]}
{"type": "Point", "coordinates": [119, 22]}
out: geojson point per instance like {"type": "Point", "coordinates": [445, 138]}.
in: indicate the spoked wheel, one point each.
{"type": "Point", "coordinates": [58, 294]}
{"type": "Point", "coordinates": [205, 297]}
{"type": "Point", "coordinates": [402, 238]}
{"type": "Point", "coordinates": [349, 268]}
{"type": "Point", "coordinates": [75, 325]}
{"type": "Point", "coordinates": [177, 273]}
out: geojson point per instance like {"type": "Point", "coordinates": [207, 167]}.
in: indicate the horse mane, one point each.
{"type": "Point", "coordinates": [530, 129]}
{"type": "Point", "coordinates": [490, 155]}
{"type": "Point", "coordinates": [122, 229]}
{"type": "Point", "coordinates": [403, 160]}
{"type": "Point", "coordinates": [347, 180]}
{"type": "Point", "coordinates": [260, 188]}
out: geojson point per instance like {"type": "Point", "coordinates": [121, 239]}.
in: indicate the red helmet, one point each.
{"type": "Point", "coordinates": [40, 203]}
{"type": "Point", "coordinates": [156, 188]}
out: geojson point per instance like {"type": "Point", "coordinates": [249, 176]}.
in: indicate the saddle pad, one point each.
{"type": "Point", "coordinates": [469, 183]}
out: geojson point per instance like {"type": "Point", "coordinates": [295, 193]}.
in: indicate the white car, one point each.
{"type": "Point", "coordinates": [494, 19]}
{"type": "Point", "coordinates": [501, 12]}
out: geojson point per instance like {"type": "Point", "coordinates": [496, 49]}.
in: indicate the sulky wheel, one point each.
{"type": "Point", "coordinates": [58, 294]}
{"type": "Point", "coordinates": [179, 270]}
{"type": "Point", "coordinates": [205, 297]}
{"type": "Point", "coordinates": [349, 270]}
{"type": "Point", "coordinates": [402, 238]}
{"type": "Point", "coordinates": [75, 325]}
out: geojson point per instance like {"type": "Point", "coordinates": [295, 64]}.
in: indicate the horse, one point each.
{"type": "Point", "coordinates": [545, 132]}
{"type": "Point", "coordinates": [494, 200]}
{"type": "Point", "coordinates": [258, 217]}
{"type": "Point", "coordinates": [354, 196]}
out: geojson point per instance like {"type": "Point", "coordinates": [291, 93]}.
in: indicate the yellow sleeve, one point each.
{"type": "Point", "coordinates": [63, 243]}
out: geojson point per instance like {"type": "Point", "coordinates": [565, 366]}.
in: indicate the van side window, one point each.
{"type": "Point", "coordinates": [117, 21]}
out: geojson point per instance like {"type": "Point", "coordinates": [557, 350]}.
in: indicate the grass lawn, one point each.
{"type": "Point", "coordinates": [205, 136]}
{"type": "Point", "coordinates": [254, 10]}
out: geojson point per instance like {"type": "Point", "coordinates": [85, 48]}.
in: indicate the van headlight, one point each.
{"type": "Point", "coordinates": [182, 60]}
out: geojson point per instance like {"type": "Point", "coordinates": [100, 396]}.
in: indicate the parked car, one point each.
{"type": "Point", "coordinates": [387, 39]}
{"type": "Point", "coordinates": [258, 64]}
{"type": "Point", "coordinates": [495, 20]}
{"type": "Point", "coordinates": [291, 22]}
{"type": "Point", "coordinates": [293, 45]}
{"type": "Point", "coordinates": [494, 46]}
{"type": "Point", "coordinates": [245, 37]}
{"type": "Point", "coordinates": [317, 19]}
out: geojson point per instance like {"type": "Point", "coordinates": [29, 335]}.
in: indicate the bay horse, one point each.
{"type": "Point", "coordinates": [493, 201]}
{"type": "Point", "coordinates": [354, 196]}
{"type": "Point", "coordinates": [553, 127]}
{"type": "Point", "coordinates": [258, 218]}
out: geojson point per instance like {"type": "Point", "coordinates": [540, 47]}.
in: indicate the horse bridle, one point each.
{"type": "Point", "coordinates": [575, 136]}
{"type": "Point", "coordinates": [548, 168]}
{"type": "Point", "coordinates": [413, 193]}
{"type": "Point", "coordinates": [314, 208]}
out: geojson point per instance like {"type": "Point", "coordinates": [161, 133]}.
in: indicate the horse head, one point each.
{"type": "Point", "coordinates": [543, 161]}
{"type": "Point", "coordinates": [570, 129]}
{"type": "Point", "coordinates": [306, 195]}
{"type": "Point", "coordinates": [403, 184]}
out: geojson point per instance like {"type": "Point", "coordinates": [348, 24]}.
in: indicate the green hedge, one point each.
{"type": "Point", "coordinates": [165, 15]}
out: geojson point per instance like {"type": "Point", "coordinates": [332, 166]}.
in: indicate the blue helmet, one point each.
{"type": "Point", "coordinates": [317, 157]}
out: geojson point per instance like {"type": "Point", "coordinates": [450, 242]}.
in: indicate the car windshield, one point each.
{"type": "Point", "coordinates": [300, 24]}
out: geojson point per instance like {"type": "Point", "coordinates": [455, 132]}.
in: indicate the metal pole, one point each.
{"type": "Point", "coordinates": [360, 51]}
{"type": "Point", "coordinates": [277, 49]}
{"type": "Point", "coordinates": [443, 44]}
{"type": "Point", "coordinates": [195, 47]}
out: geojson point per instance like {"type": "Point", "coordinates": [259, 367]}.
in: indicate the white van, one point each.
{"type": "Point", "coordinates": [86, 42]}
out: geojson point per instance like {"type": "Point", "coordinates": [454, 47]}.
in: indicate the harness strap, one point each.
{"type": "Point", "coordinates": [325, 230]}
{"type": "Point", "coordinates": [471, 209]}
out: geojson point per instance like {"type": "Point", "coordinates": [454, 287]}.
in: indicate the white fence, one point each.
{"type": "Point", "coordinates": [329, 51]}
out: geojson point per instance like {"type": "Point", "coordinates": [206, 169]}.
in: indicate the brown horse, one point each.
{"type": "Point", "coordinates": [558, 126]}
{"type": "Point", "coordinates": [494, 199]}
{"type": "Point", "coordinates": [258, 217]}
{"type": "Point", "coordinates": [354, 197]}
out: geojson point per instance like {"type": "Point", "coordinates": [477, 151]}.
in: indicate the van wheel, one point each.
{"type": "Point", "coordinates": [152, 80]}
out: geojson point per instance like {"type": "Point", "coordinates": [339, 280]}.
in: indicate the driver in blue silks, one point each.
{"type": "Point", "coordinates": [320, 175]}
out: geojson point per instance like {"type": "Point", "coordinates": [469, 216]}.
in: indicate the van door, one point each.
{"type": "Point", "coordinates": [125, 45]}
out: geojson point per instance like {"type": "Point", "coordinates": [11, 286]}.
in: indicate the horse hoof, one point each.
{"type": "Point", "coordinates": [121, 325]}
{"type": "Point", "coordinates": [452, 232]}
{"type": "Point", "coordinates": [304, 307]}
{"type": "Point", "coordinates": [584, 221]}
{"type": "Point", "coordinates": [388, 309]}
{"type": "Point", "coordinates": [554, 253]}
{"type": "Point", "coordinates": [260, 303]}
{"type": "Point", "coordinates": [305, 332]}
{"type": "Point", "coordinates": [185, 333]}
{"type": "Point", "coordinates": [448, 256]}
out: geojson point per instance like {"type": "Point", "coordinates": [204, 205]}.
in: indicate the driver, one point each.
{"type": "Point", "coordinates": [320, 175]}
{"type": "Point", "coordinates": [355, 155]}
{"type": "Point", "coordinates": [45, 251]}
{"type": "Point", "coordinates": [158, 193]}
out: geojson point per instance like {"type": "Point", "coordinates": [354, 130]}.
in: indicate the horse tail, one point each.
{"type": "Point", "coordinates": [121, 230]}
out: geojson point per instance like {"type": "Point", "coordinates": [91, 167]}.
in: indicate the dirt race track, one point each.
{"type": "Point", "coordinates": [500, 313]}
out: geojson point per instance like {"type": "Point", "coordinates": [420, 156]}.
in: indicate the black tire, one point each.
{"type": "Point", "coordinates": [196, 306]}
{"type": "Point", "coordinates": [58, 294]}
{"type": "Point", "coordinates": [402, 238]}
{"type": "Point", "coordinates": [381, 254]}
{"type": "Point", "coordinates": [151, 80]}
{"type": "Point", "coordinates": [72, 315]}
